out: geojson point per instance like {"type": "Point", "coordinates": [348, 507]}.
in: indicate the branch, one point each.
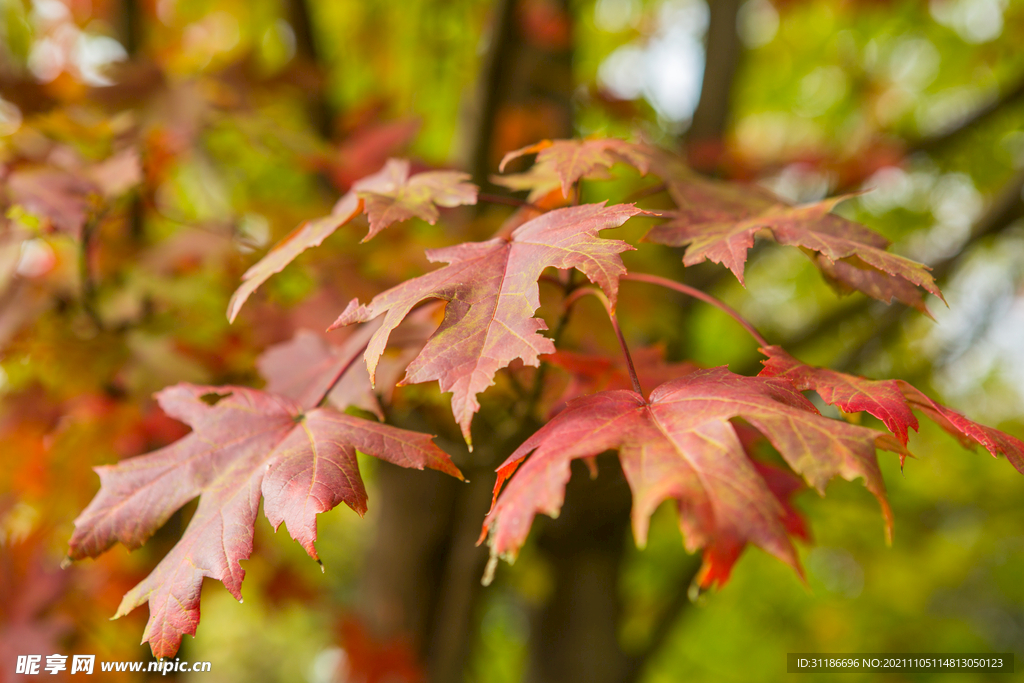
{"type": "Point", "coordinates": [979, 116]}
{"type": "Point", "coordinates": [88, 296]}
{"type": "Point", "coordinates": [593, 291]}
{"type": "Point", "coordinates": [663, 629]}
{"type": "Point", "coordinates": [298, 15]}
{"type": "Point", "coordinates": [1005, 208]}
{"type": "Point", "coordinates": [703, 296]}
{"type": "Point", "coordinates": [131, 28]}
{"type": "Point", "coordinates": [508, 201]}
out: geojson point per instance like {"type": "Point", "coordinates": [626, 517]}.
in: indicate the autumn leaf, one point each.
{"type": "Point", "coordinates": [31, 588]}
{"type": "Point", "coordinates": [718, 221]}
{"type": "Point", "coordinates": [388, 196]}
{"type": "Point", "coordinates": [681, 445]}
{"type": "Point", "coordinates": [852, 394]}
{"type": "Point", "coordinates": [892, 402]}
{"type": "Point", "coordinates": [309, 234]}
{"type": "Point", "coordinates": [304, 368]}
{"type": "Point", "coordinates": [67, 197]}
{"type": "Point", "coordinates": [570, 160]}
{"type": "Point", "coordinates": [540, 180]}
{"type": "Point", "coordinates": [969, 433]}
{"type": "Point", "coordinates": [62, 198]}
{"type": "Point", "coordinates": [394, 196]}
{"type": "Point", "coordinates": [492, 294]}
{"type": "Point", "coordinates": [248, 445]}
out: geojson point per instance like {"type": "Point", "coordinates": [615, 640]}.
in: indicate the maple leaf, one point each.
{"type": "Point", "coordinates": [31, 588]}
{"type": "Point", "coordinates": [66, 197]}
{"type": "Point", "coordinates": [541, 180]}
{"type": "Point", "coordinates": [309, 234]}
{"type": "Point", "coordinates": [892, 402]}
{"type": "Point", "coordinates": [306, 365]}
{"type": "Point", "coordinates": [387, 196]}
{"type": "Point", "coordinates": [118, 173]}
{"type": "Point", "coordinates": [304, 368]}
{"type": "Point", "coordinates": [492, 294]}
{"type": "Point", "coordinates": [680, 444]}
{"type": "Point", "coordinates": [718, 221]}
{"type": "Point", "coordinates": [570, 160]}
{"type": "Point", "coordinates": [248, 445]}
{"type": "Point", "coordinates": [394, 196]}
{"type": "Point", "coordinates": [63, 198]}
{"type": "Point", "coordinates": [881, 398]}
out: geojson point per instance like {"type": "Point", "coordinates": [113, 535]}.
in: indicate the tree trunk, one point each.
{"type": "Point", "coordinates": [575, 635]}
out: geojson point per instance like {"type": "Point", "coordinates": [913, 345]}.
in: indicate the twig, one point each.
{"type": "Point", "coordinates": [509, 201]}
{"type": "Point", "coordinates": [645, 192]}
{"type": "Point", "coordinates": [703, 296]}
{"type": "Point", "coordinates": [340, 372]}
{"type": "Point", "coordinates": [593, 291]}
{"type": "Point", "coordinates": [88, 298]}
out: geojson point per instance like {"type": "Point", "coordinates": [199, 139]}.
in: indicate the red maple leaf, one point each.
{"type": "Point", "coordinates": [681, 445]}
{"type": "Point", "coordinates": [718, 221]}
{"type": "Point", "coordinates": [304, 368]}
{"type": "Point", "coordinates": [892, 402]}
{"type": "Point", "coordinates": [396, 196]}
{"type": "Point", "coordinates": [248, 445]}
{"type": "Point", "coordinates": [570, 160]}
{"type": "Point", "coordinates": [492, 294]}
{"type": "Point", "coordinates": [387, 196]}
{"type": "Point", "coordinates": [30, 588]}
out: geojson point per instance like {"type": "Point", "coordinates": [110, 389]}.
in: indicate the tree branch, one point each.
{"type": "Point", "coordinates": [85, 274]}
{"type": "Point", "coordinates": [1006, 207]}
{"type": "Point", "coordinates": [979, 116]}
{"type": "Point", "coordinates": [703, 296]}
{"type": "Point", "coordinates": [667, 620]}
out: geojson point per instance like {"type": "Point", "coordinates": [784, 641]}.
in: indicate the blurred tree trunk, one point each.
{"type": "Point", "coordinates": [423, 571]}
{"type": "Point", "coordinates": [575, 635]}
{"type": "Point", "coordinates": [707, 132]}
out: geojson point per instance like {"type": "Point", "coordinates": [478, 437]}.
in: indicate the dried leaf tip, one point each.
{"type": "Point", "coordinates": [492, 566]}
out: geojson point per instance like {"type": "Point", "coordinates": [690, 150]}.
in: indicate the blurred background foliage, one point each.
{"type": "Point", "coordinates": [234, 121]}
